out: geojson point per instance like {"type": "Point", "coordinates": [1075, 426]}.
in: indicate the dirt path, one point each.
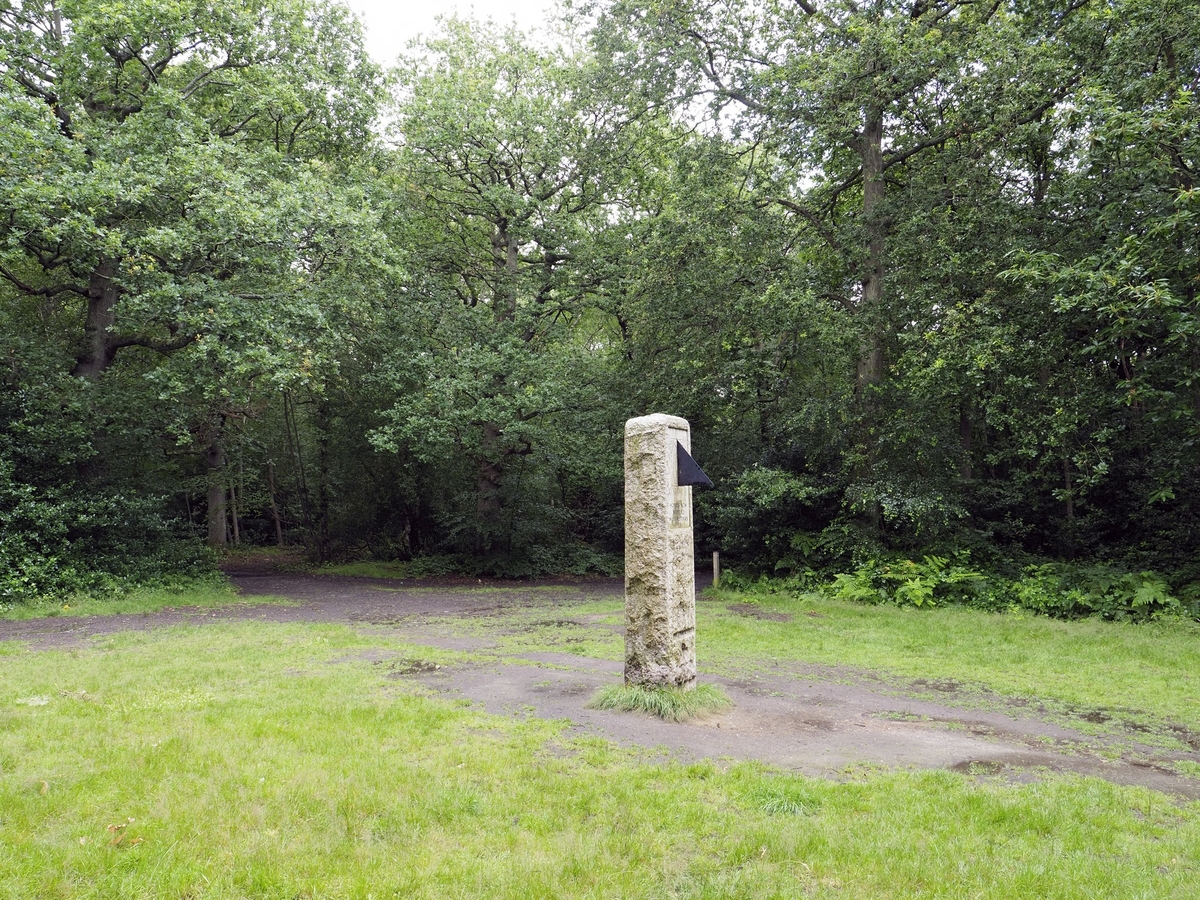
{"type": "Point", "coordinates": [815, 720]}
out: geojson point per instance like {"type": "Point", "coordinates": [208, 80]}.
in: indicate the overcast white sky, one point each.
{"type": "Point", "coordinates": [390, 24]}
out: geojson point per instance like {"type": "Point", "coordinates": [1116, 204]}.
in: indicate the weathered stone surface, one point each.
{"type": "Point", "coordinates": [660, 571]}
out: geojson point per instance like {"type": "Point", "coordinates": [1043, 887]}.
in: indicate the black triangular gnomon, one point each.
{"type": "Point", "coordinates": [689, 472]}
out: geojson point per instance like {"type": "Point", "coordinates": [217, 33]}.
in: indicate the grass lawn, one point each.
{"type": "Point", "coordinates": [143, 600]}
{"type": "Point", "coordinates": [1146, 674]}
{"type": "Point", "coordinates": [1147, 671]}
{"type": "Point", "coordinates": [255, 760]}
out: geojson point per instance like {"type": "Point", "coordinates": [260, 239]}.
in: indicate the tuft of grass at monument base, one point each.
{"type": "Point", "coordinates": [670, 703]}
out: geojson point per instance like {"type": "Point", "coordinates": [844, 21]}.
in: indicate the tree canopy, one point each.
{"type": "Point", "coordinates": [921, 273]}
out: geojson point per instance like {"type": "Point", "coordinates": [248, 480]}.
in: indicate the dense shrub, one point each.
{"type": "Point", "coordinates": [1058, 590]}
{"type": "Point", "coordinates": [64, 527]}
{"type": "Point", "coordinates": [532, 562]}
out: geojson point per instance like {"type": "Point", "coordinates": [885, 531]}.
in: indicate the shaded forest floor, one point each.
{"type": "Point", "coordinates": [544, 649]}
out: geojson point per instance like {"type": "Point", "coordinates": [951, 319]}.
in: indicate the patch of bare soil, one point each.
{"type": "Point", "coordinates": [816, 720]}
{"type": "Point", "coordinates": [757, 612]}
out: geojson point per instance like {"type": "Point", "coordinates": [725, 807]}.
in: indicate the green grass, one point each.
{"type": "Point", "coordinates": [1148, 673]}
{"type": "Point", "coordinates": [1150, 670]}
{"type": "Point", "coordinates": [370, 569]}
{"type": "Point", "coordinates": [250, 760]}
{"type": "Point", "coordinates": [207, 595]}
{"type": "Point", "coordinates": [254, 760]}
{"type": "Point", "coordinates": [421, 567]}
{"type": "Point", "coordinates": [669, 703]}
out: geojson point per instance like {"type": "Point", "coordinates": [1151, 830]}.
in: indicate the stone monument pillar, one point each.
{"type": "Point", "coordinates": [660, 571]}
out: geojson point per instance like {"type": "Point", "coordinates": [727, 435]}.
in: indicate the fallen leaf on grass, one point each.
{"type": "Point", "coordinates": [118, 830]}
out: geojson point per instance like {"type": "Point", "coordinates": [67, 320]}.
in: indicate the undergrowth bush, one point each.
{"type": "Point", "coordinates": [575, 559]}
{"type": "Point", "coordinates": [1059, 590]}
{"type": "Point", "coordinates": [59, 544]}
{"type": "Point", "coordinates": [1067, 592]}
{"type": "Point", "coordinates": [73, 521]}
{"type": "Point", "coordinates": [536, 562]}
{"type": "Point", "coordinates": [932, 581]}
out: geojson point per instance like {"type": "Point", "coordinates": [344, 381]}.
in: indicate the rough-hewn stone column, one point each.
{"type": "Point", "coordinates": [660, 572]}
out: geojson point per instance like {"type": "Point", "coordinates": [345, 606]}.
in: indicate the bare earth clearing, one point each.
{"type": "Point", "coordinates": [814, 720]}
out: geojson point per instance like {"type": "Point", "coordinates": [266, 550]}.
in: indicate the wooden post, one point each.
{"type": "Point", "coordinates": [716, 568]}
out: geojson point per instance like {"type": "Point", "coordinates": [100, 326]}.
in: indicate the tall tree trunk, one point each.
{"type": "Point", "coordinates": [505, 262]}
{"type": "Point", "coordinates": [233, 514]}
{"type": "Point", "coordinates": [1069, 492]}
{"type": "Point", "coordinates": [322, 421]}
{"type": "Point", "coordinates": [871, 361]}
{"type": "Point", "coordinates": [101, 301]}
{"type": "Point", "coordinates": [870, 368]}
{"type": "Point", "coordinates": [487, 498]}
{"type": "Point", "coordinates": [505, 266]}
{"type": "Point", "coordinates": [292, 430]}
{"type": "Point", "coordinates": [218, 531]}
{"type": "Point", "coordinates": [964, 436]}
{"type": "Point", "coordinates": [274, 505]}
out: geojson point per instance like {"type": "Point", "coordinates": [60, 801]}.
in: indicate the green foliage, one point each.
{"type": "Point", "coordinates": [1049, 412]}
{"type": "Point", "coordinates": [932, 581]}
{"type": "Point", "coordinates": [175, 592]}
{"type": "Point", "coordinates": [669, 703]}
{"type": "Point", "coordinates": [495, 378]}
{"type": "Point", "coordinates": [534, 562]}
{"type": "Point", "coordinates": [66, 525]}
{"type": "Point", "coordinates": [167, 179]}
{"type": "Point", "coordinates": [178, 195]}
{"type": "Point", "coordinates": [798, 582]}
{"type": "Point", "coordinates": [920, 274]}
{"type": "Point", "coordinates": [1104, 591]}
{"type": "Point", "coordinates": [1057, 590]}
{"type": "Point", "coordinates": [759, 518]}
